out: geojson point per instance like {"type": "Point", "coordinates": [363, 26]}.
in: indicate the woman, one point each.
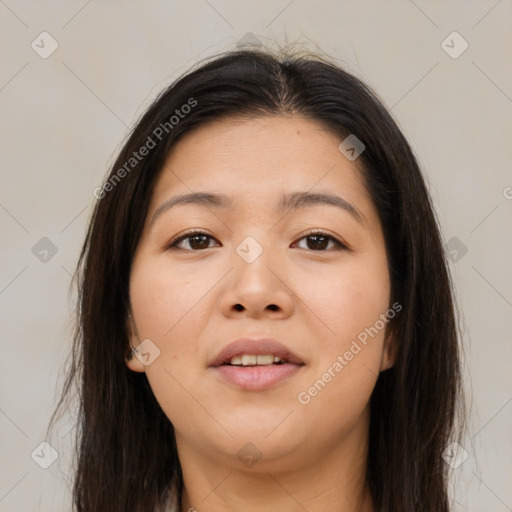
{"type": "Point", "coordinates": [266, 318]}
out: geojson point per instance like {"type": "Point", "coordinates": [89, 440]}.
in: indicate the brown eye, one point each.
{"type": "Point", "coordinates": [319, 241]}
{"type": "Point", "coordinates": [196, 241]}
{"type": "Point", "coordinates": [316, 241]}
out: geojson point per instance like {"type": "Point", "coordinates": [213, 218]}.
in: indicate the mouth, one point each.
{"type": "Point", "coordinates": [255, 365]}
{"type": "Point", "coordinates": [245, 360]}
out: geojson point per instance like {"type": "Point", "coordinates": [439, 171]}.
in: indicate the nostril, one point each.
{"type": "Point", "coordinates": [272, 307]}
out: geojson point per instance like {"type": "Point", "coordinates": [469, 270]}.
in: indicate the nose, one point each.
{"type": "Point", "coordinates": [258, 289]}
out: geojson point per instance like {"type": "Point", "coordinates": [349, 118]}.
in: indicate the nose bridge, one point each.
{"type": "Point", "coordinates": [252, 262]}
{"type": "Point", "coordinates": [255, 284]}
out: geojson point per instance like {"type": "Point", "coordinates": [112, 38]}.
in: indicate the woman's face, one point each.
{"type": "Point", "coordinates": [255, 272]}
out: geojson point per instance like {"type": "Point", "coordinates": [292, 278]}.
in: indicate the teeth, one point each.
{"type": "Point", "coordinates": [265, 359]}
{"type": "Point", "coordinates": [252, 360]}
{"type": "Point", "coordinates": [247, 360]}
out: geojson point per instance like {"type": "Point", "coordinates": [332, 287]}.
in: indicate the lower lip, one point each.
{"type": "Point", "coordinates": [257, 378]}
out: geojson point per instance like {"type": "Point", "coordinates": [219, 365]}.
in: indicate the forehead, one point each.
{"type": "Point", "coordinates": [285, 151]}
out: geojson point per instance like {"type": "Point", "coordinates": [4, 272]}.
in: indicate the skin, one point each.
{"type": "Point", "coordinates": [313, 455]}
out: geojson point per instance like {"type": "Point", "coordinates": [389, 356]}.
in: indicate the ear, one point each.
{"type": "Point", "coordinates": [132, 361]}
{"type": "Point", "coordinates": [388, 352]}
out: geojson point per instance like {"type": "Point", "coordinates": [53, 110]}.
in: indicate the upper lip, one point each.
{"type": "Point", "coordinates": [251, 346]}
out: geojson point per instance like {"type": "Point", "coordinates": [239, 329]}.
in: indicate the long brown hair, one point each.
{"type": "Point", "coordinates": [126, 457]}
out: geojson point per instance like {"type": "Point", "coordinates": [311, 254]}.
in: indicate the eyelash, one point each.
{"type": "Point", "coordinates": [338, 243]}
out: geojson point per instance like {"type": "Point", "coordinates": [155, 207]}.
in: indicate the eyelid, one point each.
{"type": "Point", "coordinates": [342, 245]}
{"type": "Point", "coordinates": [186, 234]}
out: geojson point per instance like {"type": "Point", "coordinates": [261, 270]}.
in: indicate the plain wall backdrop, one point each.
{"type": "Point", "coordinates": [76, 75]}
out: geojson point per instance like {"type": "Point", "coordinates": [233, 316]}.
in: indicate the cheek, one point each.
{"type": "Point", "coordinates": [164, 298]}
{"type": "Point", "coordinates": [351, 304]}
{"type": "Point", "coordinates": [348, 300]}
{"type": "Point", "coordinates": [166, 305]}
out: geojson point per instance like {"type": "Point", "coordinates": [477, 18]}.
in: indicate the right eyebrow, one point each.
{"type": "Point", "coordinates": [207, 199]}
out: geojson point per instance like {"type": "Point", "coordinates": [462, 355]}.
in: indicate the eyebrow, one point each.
{"type": "Point", "coordinates": [290, 201]}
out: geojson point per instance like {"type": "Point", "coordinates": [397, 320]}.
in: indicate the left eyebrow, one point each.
{"type": "Point", "coordinates": [290, 201]}
{"type": "Point", "coordinates": [304, 199]}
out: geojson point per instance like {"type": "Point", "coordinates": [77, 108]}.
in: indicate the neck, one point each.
{"type": "Point", "coordinates": [334, 480]}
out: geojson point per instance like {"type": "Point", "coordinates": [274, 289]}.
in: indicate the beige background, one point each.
{"type": "Point", "coordinates": [62, 119]}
